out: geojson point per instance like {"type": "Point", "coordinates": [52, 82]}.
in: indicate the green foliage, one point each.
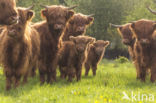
{"type": "Point", "coordinates": [106, 87]}
{"type": "Point", "coordinates": [122, 59]}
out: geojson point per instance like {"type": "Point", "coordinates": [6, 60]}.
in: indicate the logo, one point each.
{"type": "Point", "coordinates": [138, 97]}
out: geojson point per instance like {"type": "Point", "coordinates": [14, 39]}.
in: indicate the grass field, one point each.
{"type": "Point", "coordinates": [107, 86]}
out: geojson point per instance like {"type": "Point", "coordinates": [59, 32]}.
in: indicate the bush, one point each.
{"type": "Point", "coordinates": [122, 59]}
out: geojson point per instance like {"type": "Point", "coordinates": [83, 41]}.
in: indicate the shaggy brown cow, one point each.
{"type": "Point", "coordinates": [19, 48]}
{"type": "Point", "coordinates": [51, 33]}
{"type": "Point", "coordinates": [73, 55]}
{"type": "Point", "coordinates": [8, 12]}
{"type": "Point", "coordinates": [145, 46]}
{"type": "Point", "coordinates": [95, 54]}
{"type": "Point", "coordinates": [129, 40]}
{"type": "Point", "coordinates": [77, 25]}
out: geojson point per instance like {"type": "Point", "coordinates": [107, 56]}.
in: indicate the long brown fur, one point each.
{"type": "Point", "coordinates": [145, 47]}
{"type": "Point", "coordinates": [19, 49]}
{"type": "Point", "coordinates": [77, 26]}
{"type": "Point", "coordinates": [8, 12]}
{"type": "Point", "coordinates": [95, 54]}
{"type": "Point", "coordinates": [72, 56]}
{"type": "Point", "coordinates": [50, 32]}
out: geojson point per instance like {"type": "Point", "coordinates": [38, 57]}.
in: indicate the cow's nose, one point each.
{"type": "Point", "coordinates": [58, 26]}
{"type": "Point", "coordinates": [80, 29]}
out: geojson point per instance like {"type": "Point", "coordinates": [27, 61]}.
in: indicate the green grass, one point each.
{"type": "Point", "coordinates": [106, 87]}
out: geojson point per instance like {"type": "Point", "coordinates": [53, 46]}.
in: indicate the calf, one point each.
{"type": "Point", "coordinates": [77, 25]}
{"type": "Point", "coordinates": [145, 46]}
{"type": "Point", "coordinates": [19, 48]}
{"type": "Point", "coordinates": [8, 12]}
{"type": "Point", "coordinates": [73, 55]}
{"type": "Point", "coordinates": [51, 31]}
{"type": "Point", "coordinates": [95, 54]}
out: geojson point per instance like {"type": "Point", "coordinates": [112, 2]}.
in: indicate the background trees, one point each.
{"type": "Point", "coordinates": [106, 11]}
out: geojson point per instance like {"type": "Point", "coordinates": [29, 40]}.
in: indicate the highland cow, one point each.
{"type": "Point", "coordinates": [20, 44]}
{"type": "Point", "coordinates": [129, 40]}
{"type": "Point", "coordinates": [145, 46]}
{"type": "Point", "coordinates": [8, 12]}
{"type": "Point", "coordinates": [72, 56]}
{"type": "Point", "coordinates": [51, 32]}
{"type": "Point", "coordinates": [95, 54]}
{"type": "Point", "coordinates": [77, 25]}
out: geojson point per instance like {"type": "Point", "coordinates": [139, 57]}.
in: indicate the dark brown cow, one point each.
{"type": "Point", "coordinates": [145, 46]}
{"type": "Point", "coordinates": [72, 56]}
{"type": "Point", "coordinates": [95, 54]}
{"type": "Point", "coordinates": [19, 48]}
{"type": "Point", "coordinates": [129, 40]}
{"type": "Point", "coordinates": [8, 12]}
{"type": "Point", "coordinates": [51, 31]}
{"type": "Point", "coordinates": [77, 25]}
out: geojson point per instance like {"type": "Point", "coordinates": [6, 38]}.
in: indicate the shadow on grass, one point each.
{"type": "Point", "coordinates": [19, 90]}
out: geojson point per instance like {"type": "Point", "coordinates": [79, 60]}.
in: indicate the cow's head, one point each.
{"type": "Point", "coordinates": [99, 46]}
{"type": "Point", "coordinates": [8, 12]}
{"type": "Point", "coordinates": [143, 30]}
{"type": "Point", "coordinates": [82, 42]}
{"type": "Point", "coordinates": [57, 16]}
{"type": "Point", "coordinates": [79, 23]}
{"type": "Point", "coordinates": [126, 33]}
{"type": "Point", "coordinates": [25, 16]}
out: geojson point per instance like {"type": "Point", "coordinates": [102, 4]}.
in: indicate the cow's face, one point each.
{"type": "Point", "coordinates": [99, 46]}
{"type": "Point", "coordinates": [143, 30]}
{"type": "Point", "coordinates": [17, 30]}
{"type": "Point", "coordinates": [79, 23]}
{"type": "Point", "coordinates": [81, 42]}
{"type": "Point", "coordinates": [8, 12]}
{"type": "Point", "coordinates": [126, 34]}
{"type": "Point", "coordinates": [57, 17]}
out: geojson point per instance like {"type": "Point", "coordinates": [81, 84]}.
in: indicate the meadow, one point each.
{"type": "Point", "coordinates": [112, 80]}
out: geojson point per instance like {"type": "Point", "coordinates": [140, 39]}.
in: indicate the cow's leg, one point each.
{"type": "Point", "coordinates": [94, 68]}
{"type": "Point", "coordinates": [153, 74]}
{"type": "Point", "coordinates": [25, 78]}
{"type": "Point", "coordinates": [78, 72]}
{"type": "Point", "coordinates": [143, 74]}
{"type": "Point", "coordinates": [87, 67]}
{"type": "Point", "coordinates": [33, 71]}
{"type": "Point", "coordinates": [17, 80]}
{"type": "Point", "coordinates": [9, 77]}
{"type": "Point", "coordinates": [42, 76]}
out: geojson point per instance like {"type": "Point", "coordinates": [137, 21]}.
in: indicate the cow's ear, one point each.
{"type": "Point", "coordinates": [133, 25]}
{"type": "Point", "coordinates": [30, 14]}
{"type": "Point", "coordinates": [91, 40]}
{"type": "Point", "coordinates": [90, 20]}
{"type": "Point", "coordinates": [72, 38]}
{"type": "Point", "coordinates": [154, 25]}
{"type": "Point", "coordinates": [70, 14]}
{"type": "Point", "coordinates": [44, 12]}
{"type": "Point", "coordinates": [107, 43]}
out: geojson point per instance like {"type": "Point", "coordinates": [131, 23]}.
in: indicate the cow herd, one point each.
{"type": "Point", "coordinates": [140, 37]}
{"type": "Point", "coordinates": [57, 41]}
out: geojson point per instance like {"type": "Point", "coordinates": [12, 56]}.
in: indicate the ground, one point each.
{"type": "Point", "coordinates": [112, 81]}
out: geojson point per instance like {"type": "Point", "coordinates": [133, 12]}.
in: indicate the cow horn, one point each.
{"type": "Point", "coordinates": [69, 8]}
{"type": "Point", "coordinates": [29, 8]}
{"type": "Point", "coordinates": [91, 15]}
{"type": "Point", "coordinates": [152, 11]}
{"type": "Point", "coordinates": [116, 26]}
{"type": "Point", "coordinates": [44, 6]}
